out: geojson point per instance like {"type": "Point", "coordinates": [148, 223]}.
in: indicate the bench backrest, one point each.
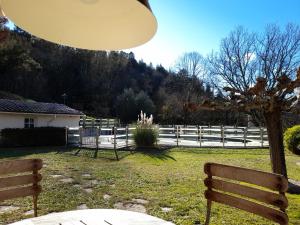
{"type": "Point", "coordinates": [262, 187]}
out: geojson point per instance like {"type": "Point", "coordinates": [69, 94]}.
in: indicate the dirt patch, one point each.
{"type": "Point", "coordinates": [140, 201]}
{"type": "Point", "coordinates": [91, 183]}
{"type": "Point", "coordinates": [131, 207]}
{"type": "Point", "coordinates": [56, 175]}
{"type": "Point", "coordinates": [77, 186]}
{"type": "Point", "coordinates": [8, 208]}
{"type": "Point", "coordinates": [67, 180]}
{"type": "Point", "coordinates": [86, 175]}
{"type": "Point", "coordinates": [88, 190]}
{"type": "Point", "coordinates": [29, 213]}
{"type": "Point", "coordinates": [106, 197]}
{"type": "Point", "coordinates": [82, 206]}
{"type": "Point", "coordinates": [166, 209]}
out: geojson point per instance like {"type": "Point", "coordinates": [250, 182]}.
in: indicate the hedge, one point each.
{"type": "Point", "coordinates": [39, 136]}
{"type": "Point", "coordinates": [292, 139]}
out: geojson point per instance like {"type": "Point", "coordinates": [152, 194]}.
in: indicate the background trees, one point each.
{"type": "Point", "coordinates": [101, 84]}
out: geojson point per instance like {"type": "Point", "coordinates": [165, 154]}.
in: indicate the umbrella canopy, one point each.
{"type": "Point", "coordinates": [86, 24]}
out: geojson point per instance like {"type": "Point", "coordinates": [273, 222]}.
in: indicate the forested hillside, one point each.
{"type": "Point", "coordinates": [101, 84]}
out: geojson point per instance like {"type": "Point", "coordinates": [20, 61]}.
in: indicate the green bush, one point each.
{"type": "Point", "coordinates": [145, 136]}
{"type": "Point", "coordinates": [28, 137]}
{"type": "Point", "coordinates": [292, 139]}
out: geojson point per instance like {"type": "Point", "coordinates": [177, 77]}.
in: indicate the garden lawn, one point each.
{"type": "Point", "coordinates": [172, 180]}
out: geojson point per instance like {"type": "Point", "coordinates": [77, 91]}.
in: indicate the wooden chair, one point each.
{"type": "Point", "coordinates": [20, 178]}
{"type": "Point", "coordinates": [219, 190]}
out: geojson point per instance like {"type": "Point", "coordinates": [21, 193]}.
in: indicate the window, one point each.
{"type": "Point", "coordinates": [28, 123]}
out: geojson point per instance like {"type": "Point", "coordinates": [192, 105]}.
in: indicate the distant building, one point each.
{"type": "Point", "coordinates": [20, 114]}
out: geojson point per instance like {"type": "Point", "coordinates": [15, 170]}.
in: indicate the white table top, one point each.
{"type": "Point", "coordinates": [95, 217]}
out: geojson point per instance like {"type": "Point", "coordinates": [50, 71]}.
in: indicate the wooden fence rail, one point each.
{"type": "Point", "coordinates": [176, 135]}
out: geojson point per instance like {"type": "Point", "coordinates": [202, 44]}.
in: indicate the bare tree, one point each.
{"type": "Point", "coordinates": [235, 65]}
{"type": "Point", "coordinates": [278, 52]}
{"type": "Point", "coordinates": [259, 71]}
{"type": "Point", "coordinates": [191, 69]}
{"type": "Point", "coordinates": [192, 63]}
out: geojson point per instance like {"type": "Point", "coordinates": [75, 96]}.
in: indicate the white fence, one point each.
{"type": "Point", "coordinates": [176, 135]}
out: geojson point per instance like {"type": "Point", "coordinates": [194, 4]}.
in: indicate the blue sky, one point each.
{"type": "Point", "coordinates": [199, 25]}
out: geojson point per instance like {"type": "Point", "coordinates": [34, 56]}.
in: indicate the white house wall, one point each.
{"type": "Point", "coordinates": [17, 120]}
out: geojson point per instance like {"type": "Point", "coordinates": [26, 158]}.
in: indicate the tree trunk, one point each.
{"type": "Point", "coordinates": [274, 128]}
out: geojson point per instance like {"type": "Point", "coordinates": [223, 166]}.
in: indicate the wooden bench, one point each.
{"type": "Point", "coordinates": [20, 178]}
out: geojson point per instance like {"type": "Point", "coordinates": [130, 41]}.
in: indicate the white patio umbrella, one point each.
{"type": "Point", "coordinates": [87, 24]}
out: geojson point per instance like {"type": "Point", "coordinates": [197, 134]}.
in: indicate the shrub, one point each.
{"type": "Point", "coordinates": [145, 137]}
{"type": "Point", "coordinates": [39, 136]}
{"type": "Point", "coordinates": [145, 134]}
{"type": "Point", "coordinates": [292, 139]}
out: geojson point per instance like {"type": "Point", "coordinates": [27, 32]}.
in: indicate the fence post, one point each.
{"type": "Point", "coordinates": [66, 136]}
{"type": "Point", "coordinates": [115, 135]}
{"type": "Point", "coordinates": [245, 137]}
{"type": "Point", "coordinates": [97, 138]}
{"type": "Point", "coordinates": [115, 142]}
{"type": "Point", "coordinates": [177, 135]}
{"type": "Point", "coordinates": [80, 136]}
{"type": "Point", "coordinates": [200, 136]}
{"type": "Point", "coordinates": [262, 136]}
{"type": "Point", "coordinates": [84, 121]}
{"type": "Point", "coordinates": [127, 136]}
{"type": "Point", "coordinates": [223, 136]}
{"type": "Point", "coordinates": [158, 130]}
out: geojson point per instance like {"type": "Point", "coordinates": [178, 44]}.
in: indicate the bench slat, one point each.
{"type": "Point", "coordinates": [19, 180]}
{"type": "Point", "coordinates": [20, 192]}
{"type": "Point", "coordinates": [20, 166]}
{"type": "Point", "coordinates": [266, 212]}
{"type": "Point", "coordinates": [259, 195]}
{"type": "Point", "coordinates": [274, 182]}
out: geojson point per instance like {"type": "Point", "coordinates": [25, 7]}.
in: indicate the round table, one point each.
{"type": "Point", "coordinates": [95, 217]}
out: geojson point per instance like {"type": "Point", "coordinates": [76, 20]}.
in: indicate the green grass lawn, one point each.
{"type": "Point", "coordinates": [173, 179]}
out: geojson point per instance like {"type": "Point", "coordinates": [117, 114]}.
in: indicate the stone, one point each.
{"type": "Point", "coordinates": [82, 206]}
{"type": "Point", "coordinates": [140, 201]}
{"type": "Point", "coordinates": [55, 175]}
{"type": "Point", "coordinates": [88, 190]}
{"type": "Point", "coordinates": [94, 182]}
{"type": "Point", "coordinates": [8, 208]}
{"type": "Point", "coordinates": [86, 175]}
{"type": "Point", "coordinates": [130, 207]}
{"type": "Point", "coordinates": [106, 197]}
{"type": "Point", "coordinates": [77, 186]}
{"type": "Point", "coordinates": [166, 209]}
{"type": "Point", "coordinates": [112, 185]}
{"type": "Point", "coordinates": [29, 213]}
{"type": "Point", "coordinates": [67, 180]}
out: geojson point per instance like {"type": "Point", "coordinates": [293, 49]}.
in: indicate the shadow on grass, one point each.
{"type": "Point", "coordinates": [161, 153]}
{"type": "Point", "coordinates": [108, 154]}
{"type": "Point", "coordinates": [20, 152]}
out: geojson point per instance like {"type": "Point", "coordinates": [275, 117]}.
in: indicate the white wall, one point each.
{"type": "Point", "coordinates": [9, 120]}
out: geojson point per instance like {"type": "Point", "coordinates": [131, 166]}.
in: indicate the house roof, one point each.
{"type": "Point", "coordinates": [16, 106]}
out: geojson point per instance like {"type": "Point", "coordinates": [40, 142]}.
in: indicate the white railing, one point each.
{"type": "Point", "coordinates": [177, 136]}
